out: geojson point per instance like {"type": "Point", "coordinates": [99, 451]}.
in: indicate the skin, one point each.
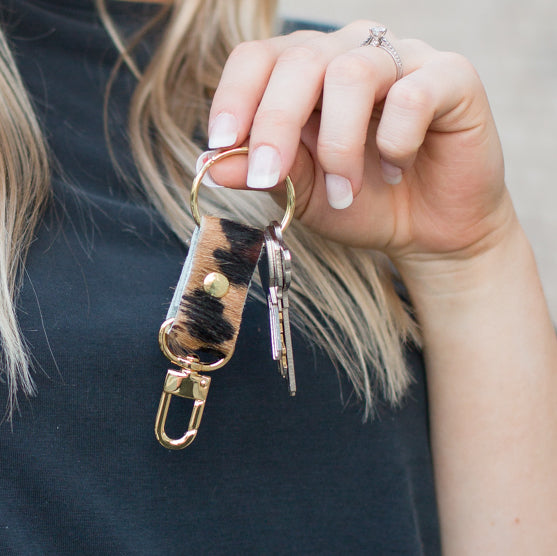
{"type": "Point", "coordinates": [425, 168]}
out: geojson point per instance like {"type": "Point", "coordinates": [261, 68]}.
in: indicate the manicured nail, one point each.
{"type": "Point", "coordinates": [207, 179]}
{"type": "Point", "coordinates": [391, 174]}
{"type": "Point", "coordinates": [339, 191]}
{"type": "Point", "coordinates": [224, 131]}
{"type": "Point", "coordinates": [264, 167]}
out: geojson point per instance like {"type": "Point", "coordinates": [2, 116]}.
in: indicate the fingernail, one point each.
{"type": "Point", "coordinates": [224, 131]}
{"type": "Point", "coordinates": [391, 174]}
{"type": "Point", "coordinates": [264, 167]}
{"type": "Point", "coordinates": [207, 179]}
{"type": "Point", "coordinates": [339, 191]}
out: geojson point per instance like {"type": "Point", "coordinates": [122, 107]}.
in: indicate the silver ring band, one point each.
{"type": "Point", "coordinates": [377, 38]}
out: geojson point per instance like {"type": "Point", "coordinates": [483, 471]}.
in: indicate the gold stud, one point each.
{"type": "Point", "coordinates": [216, 284]}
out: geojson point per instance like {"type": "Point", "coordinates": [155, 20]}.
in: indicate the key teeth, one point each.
{"type": "Point", "coordinates": [280, 274]}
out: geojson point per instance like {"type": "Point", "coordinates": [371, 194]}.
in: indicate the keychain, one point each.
{"type": "Point", "coordinates": [204, 317]}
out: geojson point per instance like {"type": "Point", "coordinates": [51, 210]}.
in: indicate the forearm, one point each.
{"type": "Point", "coordinates": [491, 356]}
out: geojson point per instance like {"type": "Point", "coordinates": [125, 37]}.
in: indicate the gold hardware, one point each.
{"type": "Point", "coordinates": [191, 362]}
{"type": "Point", "coordinates": [216, 284]}
{"type": "Point", "coordinates": [290, 193]}
{"type": "Point", "coordinates": [184, 384]}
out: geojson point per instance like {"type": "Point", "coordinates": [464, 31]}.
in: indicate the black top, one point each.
{"type": "Point", "coordinates": [80, 470]}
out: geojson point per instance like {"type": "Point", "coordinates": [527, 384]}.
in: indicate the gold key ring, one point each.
{"type": "Point", "coordinates": [290, 193]}
{"type": "Point", "coordinates": [190, 362]}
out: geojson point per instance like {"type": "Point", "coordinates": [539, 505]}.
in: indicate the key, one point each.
{"type": "Point", "coordinates": [269, 268]}
{"type": "Point", "coordinates": [276, 312]}
{"type": "Point", "coordinates": [286, 362]}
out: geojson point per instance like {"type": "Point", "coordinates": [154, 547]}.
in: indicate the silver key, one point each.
{"type": "Point", "coordinates": [286, 361]}
{"type": "Point", "coordinates": [271, 281]}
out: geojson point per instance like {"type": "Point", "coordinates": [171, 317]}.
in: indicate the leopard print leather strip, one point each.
{"type": "Point", "coordinates": [203, 322]}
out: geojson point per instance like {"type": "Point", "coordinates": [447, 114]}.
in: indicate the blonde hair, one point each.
{"type": "Point", "coordinates": [343, 299]}
{"type": "Point", "coordinates": [24, 187]}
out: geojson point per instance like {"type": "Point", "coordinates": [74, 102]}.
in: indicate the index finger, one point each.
{"type": "Point", "coordinates": [270, 88]}
{"type": "Point", "coordinates": [241, 87]}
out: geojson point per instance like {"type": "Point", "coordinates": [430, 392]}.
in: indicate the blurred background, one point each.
{"type": "Point", "coordinates": [513, 45]}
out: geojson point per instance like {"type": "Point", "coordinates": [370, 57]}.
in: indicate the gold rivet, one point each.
{"type": "Point", "coordinates": [216, 284]}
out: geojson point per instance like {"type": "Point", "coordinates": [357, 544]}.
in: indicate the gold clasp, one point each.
{"type": "Point", "coordinates": [190, 362]}
{"type": "Point", "coordinates": [184, 384]}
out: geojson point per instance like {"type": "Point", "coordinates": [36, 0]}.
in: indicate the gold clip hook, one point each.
{"type": "Point", "coordinates": [185, 384]}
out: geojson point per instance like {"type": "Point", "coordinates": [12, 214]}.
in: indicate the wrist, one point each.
{"type": "Point", "coordinates": [471, 273]}
{"type": "Point", "coordinates": [468, 297]}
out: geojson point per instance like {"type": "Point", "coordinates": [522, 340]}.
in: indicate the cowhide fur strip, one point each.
{"type": "Point", "coordinates": [205, 323]}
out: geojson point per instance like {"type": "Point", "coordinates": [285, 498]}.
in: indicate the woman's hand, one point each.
{"type": "Point", "coordinates": [412, 167]}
